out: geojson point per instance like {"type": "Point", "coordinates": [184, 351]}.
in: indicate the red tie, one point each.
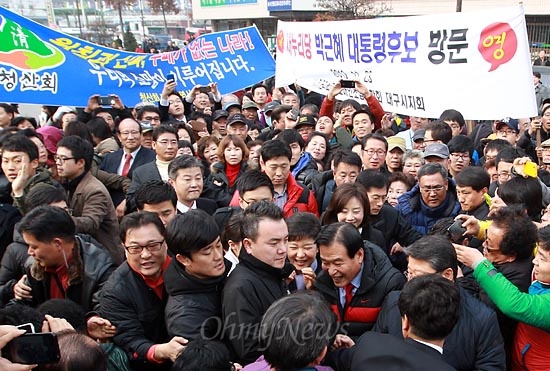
{"type": "Point", "coordinates": [349, 292]}
{"type": "Point", "coordinates": [126, 167]}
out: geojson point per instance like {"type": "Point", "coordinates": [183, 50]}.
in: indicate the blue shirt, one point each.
{"type": "Point", "coordinates": [356, 282]}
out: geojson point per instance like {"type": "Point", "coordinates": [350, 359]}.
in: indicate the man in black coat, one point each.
{"type": "Point", "coordinates": [258, 280]}
{"type": "Point", "coordinates": [429, 307]}
{"type": "Point", "coordinates": [475, 342]}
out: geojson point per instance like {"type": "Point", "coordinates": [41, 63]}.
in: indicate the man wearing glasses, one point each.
{"type": "Point", "coordinates": [134, 298]}
{"type": "Point", "coordinates": [165, 145]}
{"type": "Point", "coordinates": [92, 208]}
{"type": "Point", "coordinates": [433, 198]}
{"type": "Point", "coordinates": [374, 148]}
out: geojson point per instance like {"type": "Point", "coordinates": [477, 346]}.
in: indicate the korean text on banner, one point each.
{"type": "Point", "coordinates": [42, 66]}
{"type": "Point", "coordinates": [477, 63]}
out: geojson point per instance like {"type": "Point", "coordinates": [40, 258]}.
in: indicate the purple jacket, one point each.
{"type": "Point", "coordinates": [262, 365]}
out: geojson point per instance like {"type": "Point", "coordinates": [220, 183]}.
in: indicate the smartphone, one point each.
{"type": "Point", "coordinates": [530, 169]}
{"type": "Point", "coordinates": [456, 231]}
{"type": "Point", "coordinates": [294, 113]}
{"type": "Point", "coordinates": [205, 89]}
{"type": "Point", "coordinates": [106, 100]}
{"type": "Point", "coordinates": [171, 77]}
{"type": "Point", "coordinates": [350, 84]}
{"type": "Point", "coordinates": [29, 327]}
{"type": "Point", "coordinates": [29, 349]}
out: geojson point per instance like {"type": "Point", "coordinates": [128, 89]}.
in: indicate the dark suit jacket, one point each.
{"type": "Point", "coordinates": [141, 175]}
{"type": "Point", "coordinates": [111, 162]}
{"type": "Point", "coordinates": [207, 205]}
{"type": "Point", "coordinates": [374, 351]}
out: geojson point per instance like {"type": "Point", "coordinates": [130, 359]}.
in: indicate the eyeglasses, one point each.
{"type": "Point", "coordinates": [379, 152]}
{"type": "Point", "coordinates": [504, 174]}
{"type": "Point", "coordinates": [151, 118]}
{"type": "Point", "coordinates": [126, 133]}
{"type": "Point", "coordinates": [248, 202]}
{"type": "Point", "coordinates": [432, 189]}
{"type": "Point", "coordinates": [411, 274]}
{"type": "Point", "coordinates": [62, 159]}
{"type": "Point", "coordinates": [151, 247]}
{"type": "Point", "coordinates": [462, 156]}
{"type": "Point", "coordinates": [506, 132]}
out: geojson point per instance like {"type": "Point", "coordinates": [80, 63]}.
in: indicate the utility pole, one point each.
{"type": "Point", "coordinates": [51, 15]}
{"type": "Point", "coordinates": [458, 6]}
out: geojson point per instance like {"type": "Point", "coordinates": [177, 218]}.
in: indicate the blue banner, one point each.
{"type": "Point", "coordinates": [279, 5]}
{"type": "Point", "coordinates": [42, 66]}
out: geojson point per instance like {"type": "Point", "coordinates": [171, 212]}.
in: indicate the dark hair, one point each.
{"type": "Point", "coordinates": [519, 232]}
{"type": "Point", "coordinates": [399, 176]}
{"type": "Point", "coordinates": [432, 168]}
{"type": "Point", "coordinates": [48, 222]}
{"type": "Point", "coordinates": [543, 238]}
{"type": "Point", "coordinates": [349, 103]}
{"type": "Point", "coordinates": [253, 179]}
{"type": "Point", "coordinates": [183, 162]}
{"type": "Point", "coordinates": [20, 143]}
{"type": "Point", "coordinates": [67, 309]}
{"type": "Point", "coordinates": [374, 136]}
{"type": "Point", "coordinates": [432, 306]}
{"type": "Point", "coordinates": [254, 143]}
{"type": "Point", "coordinates": [508, 154]}
{"type": "Point", "coordinates": [139, 219]}
{"type": "Point", "coordinates": [296, 329]}
{"type": "Point", "coordinates": [437, 251]}
{"type": "Point", "coordinates": [162, 129]}
{"type": "Point", "coordinates": [43, 194]}
{"type": "Point", "coordinates": [191, 232]}
{"type": "Point", "coordinates": [237, 141]}
{"type": "Point", "coordinates": [441, 226]}
{"type": "Point", "coordinates": [79, 353]}
{"type": "Point", "coordinates": [154, 192]}
{"type": "Point", "coordinates": [186, 144]}
{"type": "Point", "coordinates": [20, 119]}
{"type": "Point", "coordinates": [201, 355]}
{"type": "Point", "coordinates": [273, 149]}
{"type": "Point", "coordinates": [497, 144]}
{"type": "Point", "coordinates": [256, 86]}
{"type": "Point", "coordinates": [78, 129]}
{"type": "Point", "coordinates": [290, 136]}
{"type": "Point", "coordinates": [148, 108]}
{"type": "Point", "coordinates": [18, 313]}
{"type": "Point", "coordinates": [182, 125]}
{"type": "Point", "coordinates": [100, 129]}
{"type": "Point", "coordinates": [346, 156]}
{"type": "Point", "coordinates": [461, 143]}
{"type": "Point", "coordinates": [303, 225]}
{"type": "Point", "coordinates": [279, 112]}
{"type": "Point", "coordinates": [232, 231]}
{"type": "Point", "coordinates": [365, 112]}
{"type": "Point", "coordinates": [526, 192]}
{"type": "Point", "coordinates": [312, 107]}
{"type": "Point", "coordinates": [372, 178]}
{"type": "Point", "coordinates": [80, 149]}
{"type": "Point", "coordinates": [343, 233]}
{"type": "Point", "coordinates": [8, 108]}
{"type": "Point", "coordinates": [314, 134]}
{"type": "Point", "coordinates": [473, 176]}
{"type": "Point", "coordinates": [453, 115]}
{"type": "Point", "coordinates": [341, 196]}
{"type": "Point", "coordinates": [439, 130]}
{"type": "Point", "coordinates": [256, 212]}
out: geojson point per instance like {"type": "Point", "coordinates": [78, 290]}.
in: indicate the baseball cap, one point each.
{"type": "Point", "coordinates": [250, 104]}
{"type": "Point", "coordinates": [437, 149]}
{"type": "Point", "coordinates": [511, 123]}
{"type": "Point", "coordinates": [305, 120]}
{"type": "Point", "coordinates": [270, 106]}
{"type": "Point", "coordinates": [219, 113]}
{"type": "Point", "coordinates": [146, 126]}
{"type": "Point", "coordinates": [546, 143]}
{"type": "Point", "coordinates": [235, 119]}
{"type": "Point", "coordinates": [63, 110]}
{"type": "Point", "coordinates": [419, 134]}
{"type": "Point", "coordinates": [396, 142]}
{"type": "Point", "coordinates": [231, 104]}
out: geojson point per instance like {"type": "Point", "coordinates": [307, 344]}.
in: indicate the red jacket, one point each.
{"type": "Point", "coordinates": [295, 201]}
{"type": "Point", "coordinates": [327, 109]}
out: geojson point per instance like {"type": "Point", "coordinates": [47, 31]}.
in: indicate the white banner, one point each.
{"type": "Point", "coordinates": [477, 63]}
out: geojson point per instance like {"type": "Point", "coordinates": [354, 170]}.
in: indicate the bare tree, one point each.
{"type": "Point", "coordinates": [351, 9]}
{"type": "Point", "coordinates": [164, 6]}
{"type": "Point", "coordinates": [119, 5]}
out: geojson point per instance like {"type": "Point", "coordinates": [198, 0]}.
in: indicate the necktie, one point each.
{"type": "Point", "coordinates": [349, 293]}
{"type": "Point", "coordinates": [126, 167]}
{"type": "Point", "coordinates": [262, 118]}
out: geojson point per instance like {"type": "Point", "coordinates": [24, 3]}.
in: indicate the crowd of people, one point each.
{"type": "Point", "coordinates": [276, 229]}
